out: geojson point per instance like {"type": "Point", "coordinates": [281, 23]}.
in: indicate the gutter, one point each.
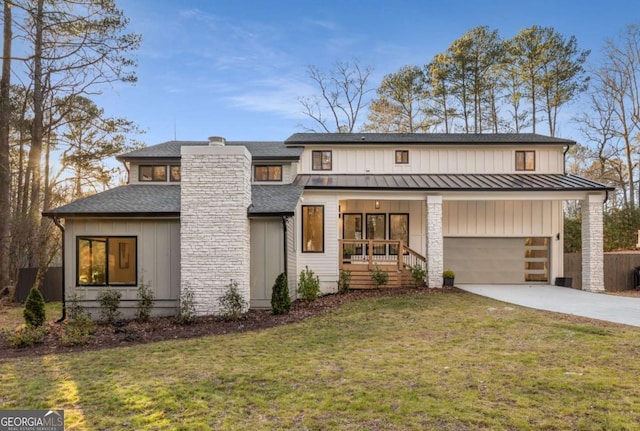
{"type": "Point", "coordinates": [284, 243]}
{"type": "Point", "coordinates": [56, 221]}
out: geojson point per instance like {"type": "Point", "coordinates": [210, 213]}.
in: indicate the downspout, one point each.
{"type": "Point", "coordinates": [284, 241]}
{"type": "Point", "coordinates": [56, 221]}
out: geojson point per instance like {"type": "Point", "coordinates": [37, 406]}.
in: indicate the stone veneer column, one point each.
{"type": "Point", "coordinates": [592, 243]}
{"type": "Point", "coordinates": [214, 228]}
{"type": "Point", "coordinates": [435, 248]}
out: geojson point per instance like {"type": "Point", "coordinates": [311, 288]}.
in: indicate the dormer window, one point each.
{"type": "Point", "coordinates": [152, 173]}
{"type": "Point", "coordinates": [402, 157]}
{"type": "Point", "coordinates": [321, 160]}
{"type": "Point", "coordinates": [267, 173]}
{"type": "Point", "coordinates": [525, 160]}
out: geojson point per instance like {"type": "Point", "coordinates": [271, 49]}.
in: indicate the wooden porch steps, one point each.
{"type": "Point", "coordinates": [361, 277]}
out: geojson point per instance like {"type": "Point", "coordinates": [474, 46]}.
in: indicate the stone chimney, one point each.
{"type": "Point", "coordinates": [216, 141]}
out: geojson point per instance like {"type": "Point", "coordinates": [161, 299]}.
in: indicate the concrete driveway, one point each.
{"type": "Point", "coordinates": [618, 309]}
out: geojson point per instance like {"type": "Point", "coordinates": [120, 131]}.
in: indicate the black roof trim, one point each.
{"type": "Point", "coordinates": [424, 139]}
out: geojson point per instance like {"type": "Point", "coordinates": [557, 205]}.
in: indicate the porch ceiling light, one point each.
{"type": "Point", "coordinates": [377, 205]}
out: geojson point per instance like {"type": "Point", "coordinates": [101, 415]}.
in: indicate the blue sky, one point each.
{"type": "Point", "coordinates": [236, 68]}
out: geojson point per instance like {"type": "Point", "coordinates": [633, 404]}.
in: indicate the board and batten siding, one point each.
{"type": "Point", "coordinates": [434, 160]}
{"type": "Point", "coordinates": [515, 219]}
{"type": "Point", "coordinates": [324, 265]}
{"type": "Point", "coordinates": [267, 259]}
{"type": "Point", "coordinates": [158, 259]}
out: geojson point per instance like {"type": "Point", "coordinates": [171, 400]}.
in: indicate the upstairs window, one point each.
{"type": "Point", "coordinates": [174, 173]}
{"type": "Point", "coordinates": [402, 157]}
{"type": "Point", "coordinates": [153, 173]}
{"type": "Point", "coordinates": [525, 160]}
{"type": "Point", "coordinates": [321, 160]}
{"type": "Point", "coordinates": [267, 173]}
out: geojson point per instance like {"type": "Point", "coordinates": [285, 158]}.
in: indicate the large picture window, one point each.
{"type": "Point", "coordinates": [107, 261]}
{"type": "Point", "coordinates": [267, 173]}
{"type": "Point", "coordinates": [525, 160]}
{"type": "Point", "coordinates": [313, 228]}
{"type": "Point", "coordinates": [398, 230]}
{"type": "Point", "coordinates": [321, 160]}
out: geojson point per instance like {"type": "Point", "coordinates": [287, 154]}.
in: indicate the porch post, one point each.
{"type": "Point", "coordinates": [435, 249]}
{"type": "Point", "coordinates": [592, 243]}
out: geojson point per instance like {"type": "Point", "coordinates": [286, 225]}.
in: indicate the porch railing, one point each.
{"type": "Point", "coordinates": [371, 252]}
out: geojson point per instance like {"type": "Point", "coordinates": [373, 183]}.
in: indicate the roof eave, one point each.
{"type": "Point", "coordinates": [52, 214]}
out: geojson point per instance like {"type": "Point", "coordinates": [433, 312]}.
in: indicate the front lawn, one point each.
{"type": "Point", "coordinates": [11, 314]}
{"type": "Point", "coordinates": [450, 361]}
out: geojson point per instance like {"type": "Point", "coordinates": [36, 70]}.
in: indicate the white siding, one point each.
{"type": "Point", "coordinates": [158, 257]}
{"type": "Point", "coordinates": [324, 265]}
{"type": "Point", "coordinates": [441, 159]}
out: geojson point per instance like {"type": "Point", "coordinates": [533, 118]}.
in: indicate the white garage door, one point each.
{"type": "Point", "coordinates": [497, 260]}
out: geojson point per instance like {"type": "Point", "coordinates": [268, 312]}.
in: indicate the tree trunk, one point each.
{"type": "Point", "coordinates": [5, 168]}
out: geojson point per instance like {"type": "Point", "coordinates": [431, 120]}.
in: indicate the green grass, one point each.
{"type": "Point", "coordinates": [11, 315]}
{"type": "Point", "coordinates": [446, 362]}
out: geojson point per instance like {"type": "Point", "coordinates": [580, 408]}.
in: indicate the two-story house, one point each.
{"type": "Point", "coordinates": [196, 215]}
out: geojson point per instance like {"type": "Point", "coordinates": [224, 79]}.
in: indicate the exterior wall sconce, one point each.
{"type": "Point", "coordinates": [377, 205]}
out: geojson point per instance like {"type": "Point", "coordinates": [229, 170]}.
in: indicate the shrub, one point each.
{"type": "Point", "coordinates": [34, 308]}
{"type": "Point", "coordinates": [75, 311]}
{"type": "Point", "coordinates": [187, 311]}
{"type": "Point", "coordinates": [418, 274]}
{"type": "Point", "coordinates": [308, 286]}
{"type": "Point", "coordinates": [26, 336]}
{"type": "Point", "coordinates": [109, 300]}
{"type": "Point", "coordinates": [448, 274]}
{"type": "Point", "coordinates": [344, 282]}
{"type": "Point", "coordinates": [379, 277]}
{"type": "Point", "coordinates": [78, 333]}
{"type": "Point", "coordinates": [280, 299]}
{"type": "Point", "coordinates": [232, 303]}
{"type": "Point", "coordinates": [145, 301]}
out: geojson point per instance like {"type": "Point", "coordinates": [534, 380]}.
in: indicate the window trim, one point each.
{"type": "Point", "coordinates": [384, 232]}
{"type": "Point", "coordinates": [524, 160]}
{"type": "Point", "coordinates": [398, 152]}
{"type": "Point", "coordinates": [302, 236]}
{"type": "Point", "coordinates": [358, 248]}
{"type": "Point", "coordinates": [313, 168]}
{"type": "Point", "coordinates": [171, 177]}
{"type": "Point", "coordinates": [268, 170]}
{"type": "Point", "coordinates": [106, 270]}
{"type": "Point", "coordinates": [152, 180]}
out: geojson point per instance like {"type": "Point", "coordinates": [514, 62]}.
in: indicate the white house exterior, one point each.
{"type": "Point", "coordinates": [196, 215]}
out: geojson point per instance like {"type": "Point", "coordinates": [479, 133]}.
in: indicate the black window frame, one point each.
{"type": "Point", "coordinates": [171, 179]}
{"type": "Point", "coordinates": [106, 270]}
{"type": "Point", "coordinates": [406, 243]}
{"type": "Point", "coordinates": [382, 247]}
{"type": "Point", "coordinates": [153, 174]}
{"type": "Point", "coordinates": [321, 167]}
{"type": "Point", "coordinates": [357, 249]}
{"type": "Point", "coordinates": [402, 159]}
{"type": "Point", "coordinates": [524, 160]}
{"type": "Point", "coordinates": [302, 227]}
{"type": "Point", "coordinates": [255, 177]}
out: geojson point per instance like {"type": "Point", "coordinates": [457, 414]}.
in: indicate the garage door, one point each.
{"type": "Point", "coordinates": [497, 260]}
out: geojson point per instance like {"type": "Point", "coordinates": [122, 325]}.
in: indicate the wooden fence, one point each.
{"type": "Point", "coordinates": [51, 287]}
{"type": "Point", "coordinates": [618, 269]}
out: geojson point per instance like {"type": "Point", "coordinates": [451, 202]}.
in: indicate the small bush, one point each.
{"type": "Point", "coordinates": [280, 299]}
{"type": "Point", "coordinates": [379, 277]}
{"type": "Point", "coordinates": [78, 333]}
{"type": "Point", "coordinates": [34, 309]}
{"type": "Point", "coordinates": [418, 274]}
{"type": "Point", "coordinates": [232, 303]}
{"type": "Point", "coordinates": [308, 286]}
{"type": "Point", "coordinates": [27, 336]}
{"type": "Point", "coordinates": [145, 301]}
{"type": "Point", "coordinates": [448, 274]}
{"type": "Point", "coordinates": [344, 282]}
{"type": "Point", "coordinates": [75, 311]}
{"type": "Point", "coordinates": [109, 300]}
{"type": "Point", "coordinates": [187, 311]}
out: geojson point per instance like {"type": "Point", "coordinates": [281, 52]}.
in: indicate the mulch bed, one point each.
{"type": "Point", "coordinates": [165, 328]}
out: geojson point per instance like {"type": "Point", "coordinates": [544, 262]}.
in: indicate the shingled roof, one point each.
{"type": "Point", "coordinates": [144, 200]}
{"type": "Point", "coordinates": [424, 139]}
{"type": "Point", "coordinates": [260, 150]}
{"type": "Point", "coordinates": [452, 182]}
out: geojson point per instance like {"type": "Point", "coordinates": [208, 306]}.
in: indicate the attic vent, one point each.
{"type": "Point", "coordinates": [216, 141]}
